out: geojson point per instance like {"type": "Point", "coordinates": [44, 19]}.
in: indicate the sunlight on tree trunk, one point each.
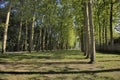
{"type": "Point", "coordinates": [6, 28]}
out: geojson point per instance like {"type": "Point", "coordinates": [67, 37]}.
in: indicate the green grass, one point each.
{"type": "Point", "coordinates": [59, 65]}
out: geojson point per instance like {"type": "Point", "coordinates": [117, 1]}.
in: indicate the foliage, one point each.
{"type": "Point", "coordinates": [59, 24]}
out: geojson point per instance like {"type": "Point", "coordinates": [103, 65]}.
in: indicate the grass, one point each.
{"type": "Point", "coordinates": [58, 65]}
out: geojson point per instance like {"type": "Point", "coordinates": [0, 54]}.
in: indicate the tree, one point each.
{"type": "Point", "coordinates": [6, 27]}
{"type": "Point", "coordinates": [111, 22]}
{"type": "Point", "coordinates": [21, 24]}
{"type": "Point", "coordinates": [86, 30]}
{"type": "Point", "coordinates": [92, 39]}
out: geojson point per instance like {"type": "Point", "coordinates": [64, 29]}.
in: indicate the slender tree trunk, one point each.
{"type": "Point", "coordinates": [26, 35]}
{"type": "Point", "coordinates": [44, 35]}
{"type": "Point", "coordinates": [92, 40]}
{"type": "Point", "coordinates": [46, 39]}
{"type": "Point", "coordinates": [19, 35]}
{"type": "Point", "coordinates": [37, 40]}
{"type": "Point", "coordinates": [106, 29]}
{"type": "Point", "coordinates": [81, 42]}
{"type": "Point", "coordinates": [111, 20]}
{"type": "Point", "coordinates": [87, 39]}
{"type": "Point", "coordinates": [20, 27]}
{"type": "Point", "coordinates": [41, 41]}
{"type": "Point", "coordinates": [103, 33]}
{"type": "Point", "coordinates": [100, 41]}
{"type": "Point", "coordinates": [106, 41]}
{"type": "Point", "coordinates": [50, 38]}
{"type": "Point", "coordinates": [32, 34]}
{"type": "Point", "coordinates": [42, 38]}
{"type": "Point", "coordinates": [40, 33]}
{"type": "Point", "coordinates": [6, 28]}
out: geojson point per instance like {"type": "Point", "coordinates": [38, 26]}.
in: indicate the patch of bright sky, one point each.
{"type": "Point", "coordinates": [59, 3]}
{"type": "Point", "coordinates": [3, 4]}
{"type": "Point", "coordinates": [117, 28]}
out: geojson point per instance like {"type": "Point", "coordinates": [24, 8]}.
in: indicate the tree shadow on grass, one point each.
{"type": "Point", "coordinates": [17, 57]}
{"type": "Point", "coordinates": [47, 63]}
{"type": "Point", "coordinates": [107, 60]}
{"type": "Point", "coordinates": [62, 72]}
{"type": "Point", "coordinates": [24, 56]}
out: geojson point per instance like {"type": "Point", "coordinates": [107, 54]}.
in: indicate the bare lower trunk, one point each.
{"type": "Point", "coordinates": [42, 39]}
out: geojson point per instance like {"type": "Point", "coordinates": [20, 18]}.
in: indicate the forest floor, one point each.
{"type": "Point", "coordinates": [58, 65]}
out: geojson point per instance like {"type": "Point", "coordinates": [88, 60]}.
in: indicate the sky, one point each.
{"type": "Point", "coordinates": [117, 28]}
{"type": "Point", "coordinates": [2, 3]}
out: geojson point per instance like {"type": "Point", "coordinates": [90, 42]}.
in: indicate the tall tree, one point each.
{"type": "Point", "coordinates": [111, 22]}
{"type": "Point", "coordinates": [6, 27]}
{"type": "Point", "coordinates": [92, 39]}
{"type": "Point", "coordinates": [86, 29]}
{"type": "Point", "coordinates": [21, 24]}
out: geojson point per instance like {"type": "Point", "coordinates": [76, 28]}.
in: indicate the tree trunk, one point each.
{"type": "Point", "coordinates": [46, 39]}
{"type": "Point", "coordinates": [42, 38]}
{"type": "Point", "coordinates": [50, 39]}
{"type": "Point", "coordinates": [86, 30]}
{"type": "Point", "coordinates": [100, 36]}
{"type": "Point", "coordinates": [32, 34]}
{"type": "Point", "coordinates": [106, 29]}
{"type": "Point", "coordinates": [92, 40]}
{"type": "Point", "coordinates": [111, 20]}
{"type": "Point", "coordinates": [20, 28]}
{"type": "Point", "coordinates": [6, 28]}
{"type": "Point", "coordinates": [106, 41]}
{"type": "Point", "coordinates": [19, 35]}
{"type": "Point", "coordinates": [81, 42]}
{"type": "Point", "coordinates": [26, 35]}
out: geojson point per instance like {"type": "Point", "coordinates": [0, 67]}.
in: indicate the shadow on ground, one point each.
{"type": "Point", "coordinates": [63, 72]}
{"type": "Point", "coordinates": [47, 63]}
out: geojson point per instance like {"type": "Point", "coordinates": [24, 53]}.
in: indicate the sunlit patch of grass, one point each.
{"type": "Point", "coordinates": [18, 77]}
{"type": "Point", "coordinates": [112, 75]}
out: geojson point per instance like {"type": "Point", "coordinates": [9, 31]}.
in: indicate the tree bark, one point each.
{"type": "Point", "coordinates": [100, 36]}
{"type": "Point", "coordinates": [42, 38]}
{"type": "Point", "coordinates": [26, 35]}
{"type": "Point", "coordinates": [19, 35]}
{"type": "Point", "coordinates": [86, 30]}
{"type": "Point", "coordinates": [6, 28]}
{"type": "Point", "coordinates": [32, 34]}
{"type": "Point", "coordinates": [111, 20]}
{"type": "Point", "coordinates": [92, 40]}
